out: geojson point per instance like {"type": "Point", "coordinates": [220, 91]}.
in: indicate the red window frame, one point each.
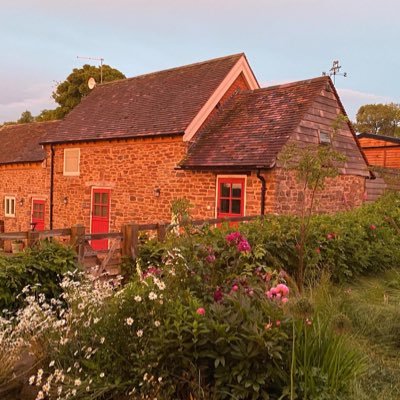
{"type": "Point", "coordinates": [230, 181]}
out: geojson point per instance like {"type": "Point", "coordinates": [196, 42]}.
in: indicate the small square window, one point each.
{"type": "Point", "coordinates": [9, 206]}
{"type": "Point", "coordinates": [324, 137]}
{"type": "Point", "coordinates": [71, 162]}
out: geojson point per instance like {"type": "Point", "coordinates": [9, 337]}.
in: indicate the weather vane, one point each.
{"type": "Point", "coordinates": [335, 70]}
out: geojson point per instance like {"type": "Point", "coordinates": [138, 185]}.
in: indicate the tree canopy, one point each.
{"type": "Point", "coordinates": [69, 93]}
{"type": "Point", "coordinates": [25, 117]}
{"type": "Point", "coordinates": [381, 119]}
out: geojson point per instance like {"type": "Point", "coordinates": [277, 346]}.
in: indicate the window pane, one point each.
{"type": "Point", "coordinates": [104, 198]}
{"type": "Point", "coordinates": [97, 211]}
{"type": "Point", "coordinates": [236, 190]}
{"type": "Point", "coordinates": [224, 206]}
{"type": "Point", "coordinates": [236, 206]}
{"type": "Point", "coordinates": [225, 189]}
{"type": "Point", "coordinates": [7, 206]}
{"type": "Point", "coordinates": [97, 197]}
{"type": "Point", "coordinates": [104, 211]}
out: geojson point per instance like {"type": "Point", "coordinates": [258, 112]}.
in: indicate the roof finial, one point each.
{"type": "Point", "coordinates": [335, 71]}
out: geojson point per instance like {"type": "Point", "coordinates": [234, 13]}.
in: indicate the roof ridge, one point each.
{"type": "Point", "coordinates": [294, 83]}
{"type": "Point", "coordinates": [16, 125]}
{"type": "Point", "coordinates": [171, 69]}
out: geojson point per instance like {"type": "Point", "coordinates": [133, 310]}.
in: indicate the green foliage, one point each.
{"type": "Point", "coordinates": [25, 117]}
{"type": "Point", "coordinates": [382, 119]}
{"type": "Point", "coordinates": [70, 92]}
{"type": "Point", "coordinates": [40, 267]}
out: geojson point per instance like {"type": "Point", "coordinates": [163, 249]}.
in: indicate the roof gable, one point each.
{"type": "Point", "coordinates": [254, 126]}
{"type": "Point", "coordinates": [160, 103]}
{"type": "Point", "coordinates": [20, 143]}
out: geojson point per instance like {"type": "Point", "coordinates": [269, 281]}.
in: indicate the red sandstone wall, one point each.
{"type": "Point", "coordinates": [132, 170]}
{"type": "Point", "coordinates": [341, 193]}
{"type": "Point", "coordinates": [25, 182]}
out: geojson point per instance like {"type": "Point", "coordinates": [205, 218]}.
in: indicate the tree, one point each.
{"type": "Point", "coordinates": [69, 93]}
{"type": "Point", "coordinates": [381, 119]}
{"type": "Point", "coordinates": [25, 118]}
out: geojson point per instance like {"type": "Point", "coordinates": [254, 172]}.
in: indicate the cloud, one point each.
{"type": "Point", "coordinates": [354, 99]}
{"type": "Point", "coordinates": [34, 98]}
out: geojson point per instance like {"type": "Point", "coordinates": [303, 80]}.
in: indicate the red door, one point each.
{"type": "Point", "coordinates": [230, 200]}
{"type": "Point", "coordinates": [38, 213]}
{"type": "Point", "coordinates": [100, 216]}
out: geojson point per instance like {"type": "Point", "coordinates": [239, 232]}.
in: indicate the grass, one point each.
{"type": "Point", "coordinates": [368, 313]}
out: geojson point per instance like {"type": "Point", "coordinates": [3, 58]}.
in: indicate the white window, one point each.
{"type": "Point", "coordinates": [324, 137]}
{"type": "Point", "coordinates": [9, 206]}
{"type": "Point", "coordinates": [71, 162]}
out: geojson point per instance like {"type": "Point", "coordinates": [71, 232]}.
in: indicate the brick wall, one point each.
{"type": "Point", "coordinates": [25, 182]}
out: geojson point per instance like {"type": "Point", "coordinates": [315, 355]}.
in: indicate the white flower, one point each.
{"type": "Point", "coordinates": [139, 332]}
{"type": "Point", "coordinates": [77, 382]}
{"type": "Point", "coordinates": [59, 390]}
{"type": "Point", "coordinates": [73, 392]}
{"type": "Point", "coordinates": [46, 387]}
{"type": "Point", "coordinates": [51, 364]}
{"type": "Point", "coordinates": [152, 296]}
{"type": "Point", "coordinates": [138, 299]}
{"type": "Point", "coordinates": [102, 340]}
{"type": "Point", "coordinates": [129, 321]}
{"type": "Point", "coordinates": [96, 320]}
{"type": "Point", "coordinates": [102, 375]}
{"type": "Point", "coordinates": [157, 323]}
{"type": "Point", "coordinates": [40, 395]}
{"type": "Point", "coordinates": [32, 380]}
{"type": "Point", "coordinates": [160, 379]}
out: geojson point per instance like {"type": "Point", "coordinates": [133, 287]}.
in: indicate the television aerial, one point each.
{"type": "Point", "coordinates": [101, 59]}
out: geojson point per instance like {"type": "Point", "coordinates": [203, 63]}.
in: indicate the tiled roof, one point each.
{"type": "Point", "coordinates": [160, 103]}
{"type": "Point", "coordinates": [21, 143]}
{"type": "Point", "coordinates": [253, 126]}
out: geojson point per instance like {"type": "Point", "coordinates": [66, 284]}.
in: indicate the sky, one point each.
{"type": "Point", "coordinates": [284, 40]}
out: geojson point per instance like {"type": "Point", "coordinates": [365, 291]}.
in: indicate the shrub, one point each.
{"type": "Point", "coordinates": [41, 267]}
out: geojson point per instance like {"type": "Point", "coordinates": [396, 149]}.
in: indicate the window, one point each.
{"type": "Point", "coordinates": [230, 200]}
{"type": "Point", "coordinates": [71, 162]}
{"type": "Point", "coordinates": [9, 206]}
{"type": "Point", "coordinates": [324, 137]}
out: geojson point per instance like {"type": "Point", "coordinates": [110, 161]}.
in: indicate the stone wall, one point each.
{"type": "Point", "coordinates": [132, 170]}
{"type": "Point", "coordinates": [339, 194]}
{"type": "Point", "coordinates": [25, 182]}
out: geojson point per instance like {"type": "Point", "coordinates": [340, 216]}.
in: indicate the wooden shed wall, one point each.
{"type": "Point", "coordinates": [381, 153]}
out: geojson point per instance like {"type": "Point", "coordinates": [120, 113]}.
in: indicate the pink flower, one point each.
{"type": "Point", "coordinates": [218, 295]}
{"type": "Point", "coordinates": [233, 238]}
{"type": "Point", "coordinates": [285, 300]}
{"type": "Point", "coordinates": [308, 322]}
{"type": "Point", "coordinates": [318, 250]}
{"type": "Point", "coordinates": [330, 236]}
{"type": "Point", "coordinates": [210, 258]}
{"type": "Point", "coordinates": [372, 227]}
{"type": "Point", "coordinates": [235, 288]}
{"type": "Point", "coordinates": [244, 246]}
{"type": "Point", "coordinates": [283, 289]}
{"type": "Point", "coordinates": [201, 311]}
{"type": "Point", "coordinates": [278, 323]}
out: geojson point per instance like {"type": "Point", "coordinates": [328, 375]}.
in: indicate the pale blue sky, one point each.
{"type": "Point", "coordinates": [284, 40]}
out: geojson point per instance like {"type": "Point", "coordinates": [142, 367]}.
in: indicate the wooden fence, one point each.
{"type": "Point", "coordinates": [129, 235]}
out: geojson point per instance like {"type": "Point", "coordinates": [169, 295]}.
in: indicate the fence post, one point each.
{"type": "Point", "coordinates": [161, 232]}
{"type": "Point", "coordinates": [1, 231]}
{"type": "Point", "coordinates": [33, 237]}
{"type": "Point", "coordinates": [130, 240]}
{"type": "Point", "coordinates": [78, 240]}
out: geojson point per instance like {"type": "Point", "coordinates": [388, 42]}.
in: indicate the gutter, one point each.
{"type": "Point", "coordinates": [263, 191]}
{"type": "Point", "coordinates": [51, 185]}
